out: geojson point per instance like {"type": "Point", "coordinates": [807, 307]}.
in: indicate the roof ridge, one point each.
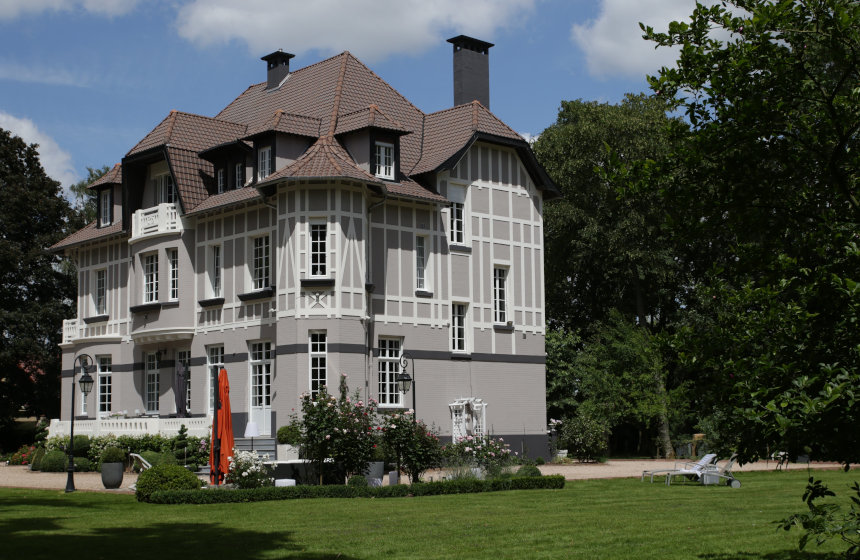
{"type": "Point", "coordinates": [338, 92]}
{"type": "Point", "coordinates": [169, 134]}
{"type": "Point", "coordinates": [500, 121]}
{"type": "Point", "coordinates": [378, 77]}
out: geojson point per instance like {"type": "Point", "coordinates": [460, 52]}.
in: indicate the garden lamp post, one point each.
{"type": "Point", "coordinates": [405, 381]}
{"type": "Point", "coordinates": [83, 361]}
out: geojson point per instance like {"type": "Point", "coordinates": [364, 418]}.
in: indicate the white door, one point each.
{"type": "Point", "coordinates": [261, 386]}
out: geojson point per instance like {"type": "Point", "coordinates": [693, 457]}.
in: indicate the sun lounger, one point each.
{"type": "Point", "coordinates": [680, 468]}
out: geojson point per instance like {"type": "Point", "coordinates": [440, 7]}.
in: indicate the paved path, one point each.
{"type": "Point", "coordinates": [23, 477]}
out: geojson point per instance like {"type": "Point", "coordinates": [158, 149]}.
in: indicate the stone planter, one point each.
{"type": "Point", "coordinates": [287, 452]}
{"type": "Point", "coordinates": [112, 475]}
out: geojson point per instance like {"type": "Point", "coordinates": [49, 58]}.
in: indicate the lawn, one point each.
{"type": "Point", "coordinates": [588, 519]}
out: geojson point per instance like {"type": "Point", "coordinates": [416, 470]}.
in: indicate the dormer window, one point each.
{"type": "Point", "coordinates": [384, 161]}
{"type": "Point", "coordinates": [264, 163]}
{"type": "Point", "coordinates": [240, 176]}
{"type": "Point", "coordinates": [222, 180]}
{"type": "Point", "coordinates": [165, 190]}
{"type": "Point", "coordinates": [105, 208]}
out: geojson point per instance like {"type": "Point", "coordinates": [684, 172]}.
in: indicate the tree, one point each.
{"type": "Point", "coordinates": [35, 292]}
{"type": "Point", "coordinates": [769, 206]}
{"type": "Point", "coordinates": [606, 248]}
{"type": "Point", "coordinates": [85, 199]}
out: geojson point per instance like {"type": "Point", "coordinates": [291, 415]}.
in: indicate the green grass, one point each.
{"type": "Point", "coordinates": [588, 519]}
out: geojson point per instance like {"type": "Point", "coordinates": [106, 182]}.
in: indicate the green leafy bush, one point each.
{"type": "Point", "coordinates": [164, 477]}
{"type": "Point", "coordinates": [112, 455]}
{"type": "Point", "coordinates": [290, 434]}
{"type": "Point", "coordinates": [529, 470]}
{"type": "Point", "coordinates": [586, 436]}
{"type": "Point", "coordinates": [54, 461]}
{"type": "Point", "coordinates": [357, 480]}
{"type": "Point", "coordinates": [415, 446]}
{"type": "Point", "coordinates": [248, 471]}
{"type": "Point", "coordinates": [83, 464]}
{"type": "Point", "coordinates": [348, 491]}
{"type": "Point", "coordinates": [156, 458]}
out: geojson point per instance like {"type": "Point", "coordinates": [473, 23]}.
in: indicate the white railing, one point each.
{"type": "Point", "coordinates": [132, 426]}
{"type": "Point", "coordinates": [75, 329]}
{"type": "Point", "coordinates": [158, 220]}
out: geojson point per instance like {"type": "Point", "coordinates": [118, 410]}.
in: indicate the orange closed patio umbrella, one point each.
{"type": "Point", "coordinates": [221, 448]}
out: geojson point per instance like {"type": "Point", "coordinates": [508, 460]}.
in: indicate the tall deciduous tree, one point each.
{"type": "Point", "coordinates": [85, 199]}
{"type": "Point", "coordinates": [769, 206]}
{"type": "Point", "coordinates": [35, 294]}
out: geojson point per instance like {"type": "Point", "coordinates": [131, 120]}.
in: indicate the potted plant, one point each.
{"type": "Point", "coordinates": [289, 438]}
{"type": "Point", "coordinates": [113, 464]}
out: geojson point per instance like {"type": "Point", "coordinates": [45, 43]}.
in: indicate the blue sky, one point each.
{"type": "Point", "coordinates": [86, 79]}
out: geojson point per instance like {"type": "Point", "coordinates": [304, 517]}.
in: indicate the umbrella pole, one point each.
{"type": "Point", "coordinates": [216, 440]}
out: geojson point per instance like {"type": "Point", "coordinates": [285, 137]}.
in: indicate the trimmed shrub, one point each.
{"type": "Point", "coordinates": [357, 480]}
{"type": "Point", "coordinates": [540, 461]}
{"type": "Point", "coordinates": [586, 436]}
{"type": "Point", "coordinates": [54, 461]}
{"type": "Point", "coordinates": [83, 464]}
{"type": "Point", "coordinates": [529, 470]}
{"type": "Point", "coordinates": [156, 458]}
{"type": "Point", "coordinates": [347, 491]}
{"type": "Point", "coordinates": [112, 455]}
{"type": "Point", "coordinates": [164, 477]}
{"type": "Point", "coordinates": [290, 434]}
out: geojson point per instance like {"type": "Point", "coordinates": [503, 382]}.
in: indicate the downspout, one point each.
{"type": "Point", "coordinates": [368, 296]}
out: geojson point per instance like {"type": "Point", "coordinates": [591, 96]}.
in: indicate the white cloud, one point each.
{"type": "Point", "coordinates": [38, 74]}
{"type": "Point", "coordinates": [613, 43]}
{"type": "Point", "coordinates": [56, 161]}
{"type": "Point", "coordinates": [11, 9]}
{"type": "Point", "coordinates": [370, 29]}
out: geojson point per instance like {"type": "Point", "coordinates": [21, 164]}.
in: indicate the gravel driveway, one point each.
{"type": "Point", "coordinates": [23, 477]}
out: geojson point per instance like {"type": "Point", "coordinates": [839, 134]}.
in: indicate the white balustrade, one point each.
{"type": "Point", "coordinates": [70, 330]}
{"type": "Point", "coordinates": [158, 220]}
{"type": "Point", "coordinates": [198, 426]}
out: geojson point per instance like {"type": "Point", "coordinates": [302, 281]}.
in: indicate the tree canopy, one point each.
{"type": "Point", "coordinates": [36, 294]}
{"type": "Point", "coordinates": [767, 212]}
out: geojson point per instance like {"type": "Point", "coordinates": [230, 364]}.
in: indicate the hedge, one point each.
{"type": "Point", "coordinates": [464, 486]}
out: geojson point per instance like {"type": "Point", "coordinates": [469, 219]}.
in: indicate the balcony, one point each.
{"type": "Point", "coordinates": [75, 330]}
{"type": "Point", "coordinates": [159, 220]}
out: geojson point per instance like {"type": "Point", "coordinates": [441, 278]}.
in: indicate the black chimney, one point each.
{"type": "Point", "coordinates": [471, 70]}
{"type": "Point", "coordinates": [277, 68]}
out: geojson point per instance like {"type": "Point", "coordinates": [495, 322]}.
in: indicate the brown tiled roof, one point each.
{"type": "Point", "coordinates": [326, 158]}
{"type": "Point", "coordinates": [189, 171]}
{"type": "Point", "coordinates": [112, 177]}
{"type": "Point", "coordinates": [191, 132]}
{"type": "Point", "coordinates": [410, 189]}
{"type": "Point", "coordinates": [288, 123]}
{"type": "Point", "coordinates": [370, 116]}
{"type": "Point", "coordinates": [226, 199]}
{"type": "Point", "coordinates": [446, 132]}
{"type": "Point", "coordinates": [88, 233]}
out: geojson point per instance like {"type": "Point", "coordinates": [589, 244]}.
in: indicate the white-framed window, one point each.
{"type": "Point", "coordinates": [183, 358]}
{"type": "Point", "coordinates": [260, 263]}
{"type": "Point", "coordinates": [214, 363]}
{"type": "Point", "coordinates": [221, 176]}
{"type": "Point", "coordinates": [317, 352]}
{"type": "Point", "coordinates": [261, 356]}
{"type": "Point", "coordinates": [318, 253]}
{"type": "Point", "coordinates": [500, 302]}
{"type": "Point", "coordinates": [458, 230]}
{"type": "Point", "coordinates": [264, 162]}
{"type": "Point", "coordinates": [152, 382]}
{"type": "Point", "coordinates": [105, 207]}
{"type": "Point", "coordinates": [173, 263]}
{"type": "Point", "coordinates": [239, 175]}
{"type": "Point", "coordinates": [165, 190]}
{"type": "Point", "coordinates": [384, 160]}
{"type": "Point", "coordinates": [388, 366]}
{"type": "Point", "coordinates": [150, 278]}
{"type": "Point", "coordinates": [459, 318]}
{"type": "Point", "coordinates": [215, 274]}
{"type": "Point", "coordinates": [105, 383]}
{"type": "Point", "coordinates": [421, 262]}
{"type": "Point", "coordinates": [100, 295]}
